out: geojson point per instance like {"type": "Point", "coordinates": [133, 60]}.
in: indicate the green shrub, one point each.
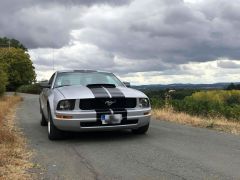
{"type": "Point", "coordinates": [31, 89]}
{"type": "Point", "coordinates": [211, 103]}
{"type": "Point", "coordinates": [157, 102]}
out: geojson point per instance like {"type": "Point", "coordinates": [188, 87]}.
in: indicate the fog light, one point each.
{"type": "Point", "coordinates": [146, 113]}
{"type": "Point", "coordinates": [63, 117]}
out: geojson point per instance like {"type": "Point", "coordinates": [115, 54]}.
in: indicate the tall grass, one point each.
{"type": "Point", "coordinates": [218, 123]}
{"type": "Point", "coordinates": [13, 154]}
{"type": "Point", "coordinates": [6, 127]}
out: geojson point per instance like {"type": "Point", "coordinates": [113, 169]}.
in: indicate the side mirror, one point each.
{"type": "Point", "coordinates": [45, 85]}
{"type": "Point", "coordinates": [127, 84]}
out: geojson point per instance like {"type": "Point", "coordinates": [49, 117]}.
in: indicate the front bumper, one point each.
{"type": "Point", "coordinates": [135, 118]}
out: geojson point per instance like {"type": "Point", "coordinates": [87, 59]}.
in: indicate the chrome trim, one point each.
{"type": "Point", "coordinates": [136, 117]}
{"type": "Point", "coordinates": [78, 119]}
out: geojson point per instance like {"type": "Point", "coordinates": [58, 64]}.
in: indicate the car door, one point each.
{"type": "Point", "coordinates": [45, 94]}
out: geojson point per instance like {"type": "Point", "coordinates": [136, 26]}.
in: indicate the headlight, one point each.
{"type": "Point", "coordinates": [66, 104]}
{"type": "Point", "coordinates": [144, 103]}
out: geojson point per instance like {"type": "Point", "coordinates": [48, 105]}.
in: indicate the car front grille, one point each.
{"type": "Point", "coordinates": [107, 103]}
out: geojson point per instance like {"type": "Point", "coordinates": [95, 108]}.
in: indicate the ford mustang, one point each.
{"type": "Point", "coordinates": [85, 100]}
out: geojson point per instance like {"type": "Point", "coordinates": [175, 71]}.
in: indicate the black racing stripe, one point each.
{"type": "Point", "coordinates": [102, 93]}
{"type": "Point", "coordinates": [115, 92]}
{"type": "Point", "coordinates": [99, 92]}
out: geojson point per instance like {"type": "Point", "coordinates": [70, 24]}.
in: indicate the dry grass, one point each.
{"type": "Point", "coordinates": [218, 123]}
{"type": "Point", "coordinates": [13, 152]}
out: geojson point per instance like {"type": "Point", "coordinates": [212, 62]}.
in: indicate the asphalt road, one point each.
{"type": "Point", "coordinates": [168, 151]}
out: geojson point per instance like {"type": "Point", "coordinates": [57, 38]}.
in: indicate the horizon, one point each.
{"type": "Point", "coordinates": [189, 83]}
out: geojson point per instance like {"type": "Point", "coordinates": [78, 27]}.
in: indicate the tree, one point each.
{"type": "Point", "coordinates": [238, 86]}
{"type": "Point", "coordinates": [231, 86]}
{"type": "Point", "coordinates": [6, 42]}
{"type": "Point", "coordinates": [19, 67]}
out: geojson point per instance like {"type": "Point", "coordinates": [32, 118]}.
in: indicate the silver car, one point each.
{"type": "Point", "coordinates": [84, 100]}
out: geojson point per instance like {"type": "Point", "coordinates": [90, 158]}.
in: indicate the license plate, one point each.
{"type": "Point", "coordinates": [111, 119]}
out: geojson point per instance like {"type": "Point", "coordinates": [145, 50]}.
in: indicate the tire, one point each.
{"type": "Point", "coordinates": [53, 132]}
{"type": "Point", "coordinates": [43, 121]}
{"type": "Point", "coordinates": [141, 130]}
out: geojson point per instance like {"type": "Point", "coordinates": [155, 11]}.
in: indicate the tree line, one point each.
{"type": "Point", "coordinates": [16, 67]}
{"type": "Point", "coordinates": [233, 86]}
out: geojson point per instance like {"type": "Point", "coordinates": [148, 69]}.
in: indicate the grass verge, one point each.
{"type": "Point", "coordinates": [14, 157]}
{"type": "Point", "coordinates": [218, 123]}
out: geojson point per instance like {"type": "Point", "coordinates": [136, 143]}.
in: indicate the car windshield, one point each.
{"type": "Point", "coordinates": [86, 78]}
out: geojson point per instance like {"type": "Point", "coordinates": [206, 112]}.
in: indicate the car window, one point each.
{"type": "Point", "coordinates": [76, 78]}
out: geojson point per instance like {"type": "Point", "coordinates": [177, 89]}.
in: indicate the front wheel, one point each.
{"type": "Point", "coordinates": [43, 121]}
{"type": "Point", "coordinates": [53, 132]}
{"type": "Point", "coordinates": [141, 130]}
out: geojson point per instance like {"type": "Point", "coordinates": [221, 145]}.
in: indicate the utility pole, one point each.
{"type": "Point", "coordinates": [53, 58]}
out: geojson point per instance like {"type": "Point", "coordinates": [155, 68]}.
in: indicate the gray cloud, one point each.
{"type": "Point", "coordinates": [45, 23]}
{"type": "Point", "coordinates": [127, 35]}
{"type": "Point", "coordinates": [174, 33]}
{"type": "Point", "coordinates": [228, 64]}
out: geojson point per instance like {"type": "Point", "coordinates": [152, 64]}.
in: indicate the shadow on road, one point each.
{"type": "Point", "coordinates": [102, 136]}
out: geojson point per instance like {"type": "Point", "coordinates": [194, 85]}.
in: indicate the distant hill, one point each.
{"type": "Point", "coordinates": [183, 86]}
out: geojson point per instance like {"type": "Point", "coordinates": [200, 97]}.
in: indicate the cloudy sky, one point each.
{"type": "Point", "coordinates": [142, 41]}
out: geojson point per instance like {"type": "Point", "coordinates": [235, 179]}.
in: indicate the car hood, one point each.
{"type": "Point", "coordinates": [83, 92]}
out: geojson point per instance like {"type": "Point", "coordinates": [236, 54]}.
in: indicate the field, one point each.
{"type": "Point", "coordinates": [13, 154]}
{"type": "Point", "coordinates": [211, 103]}
{"type": "Point", "coordinates": [216, 109]}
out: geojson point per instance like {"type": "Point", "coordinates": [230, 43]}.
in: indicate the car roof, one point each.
{"type": "Point", "coordinates": [82, 71]}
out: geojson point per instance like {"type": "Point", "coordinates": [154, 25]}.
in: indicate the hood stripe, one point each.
{"type": "Point", "coordinates": [102, 92]}
{"type": "Point", "coordinates": [99, 93]}
{"type": "Point", "coordinates": [115, 92]}
{"type": "Point", "coordinates": [107, 92]}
